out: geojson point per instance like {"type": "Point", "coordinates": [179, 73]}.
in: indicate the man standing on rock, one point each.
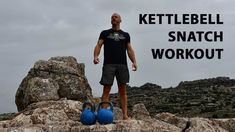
{"type": "Point", "coordinates": [116, 43]}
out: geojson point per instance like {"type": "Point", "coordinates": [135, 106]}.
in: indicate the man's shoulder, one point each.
{"type": "Point", "coordinates": [105, 31]}
{"type": "Point", "coordinates": [124, 32]}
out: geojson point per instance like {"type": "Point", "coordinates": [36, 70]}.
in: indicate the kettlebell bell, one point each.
{"type": "Point", "coordinates": [88, 116]}
{"type": "Point", "coordinates": [105, 116]}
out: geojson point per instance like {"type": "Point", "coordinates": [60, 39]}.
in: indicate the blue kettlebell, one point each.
{"type": "Point", "coordinates": [105, 116]}
{"type": "Point", "coordinates": [88, 116]}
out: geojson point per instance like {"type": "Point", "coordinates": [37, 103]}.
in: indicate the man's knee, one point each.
{"type": "Point", "coordinates": [107, 89]}
{"type": "Point", "coordinates": [122, 89]}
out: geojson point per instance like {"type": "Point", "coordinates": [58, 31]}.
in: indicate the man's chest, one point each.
{"type": "Point", "coordinates": [116, 37]}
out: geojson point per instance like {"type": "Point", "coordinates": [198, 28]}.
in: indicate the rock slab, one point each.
{"type": "Point", "coordinates": [59, 77]}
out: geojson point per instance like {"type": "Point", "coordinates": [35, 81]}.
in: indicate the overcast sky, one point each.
{"type": "Point", "coordinates": [32, 30]}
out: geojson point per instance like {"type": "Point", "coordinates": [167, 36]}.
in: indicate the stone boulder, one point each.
{"type": "Point", "coordinates": [227, 124]}
{"type": "Point", "coordinates": [204, 125]}
{"type": "Point", "coordinates": [59, 77]}
{"type": "Point", "coordinates": [172, 119]}
{"type": "Point", "coordinates": [140, 112]}
{"type": "Point", "coordinates": [117, 113]}
{"type": "Point", "coordinates": [62, 112]}
{"type": "Point", "coordinates": [64, 115]}
{"type": "Point", "coordinates": [197, 124]}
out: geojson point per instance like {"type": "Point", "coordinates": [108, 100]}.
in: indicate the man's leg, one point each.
{"type": "Point", "coordinates": [123, 99]}
{"type": "Point", "coordinates": [105, 96]}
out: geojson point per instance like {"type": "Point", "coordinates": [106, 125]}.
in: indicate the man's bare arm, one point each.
{"type": "Point", "coordinates": [131, 55]}
{"type": "Point", "coordinates": [97, 51]}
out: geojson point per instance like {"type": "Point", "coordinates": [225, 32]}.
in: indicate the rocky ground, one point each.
{"type": "Point", "coordinates": [210, 98]}
{"type": "Point", "coordinates": [63, 116]}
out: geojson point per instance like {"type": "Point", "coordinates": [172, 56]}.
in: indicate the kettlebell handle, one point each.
{"type": "Point", "coordinates": [105, 102]}
{"type": "Point", "coordinates": [90, 104]}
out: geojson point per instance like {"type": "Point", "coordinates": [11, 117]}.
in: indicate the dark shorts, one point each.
{"type": "Point", "coordinates": [110, 71]}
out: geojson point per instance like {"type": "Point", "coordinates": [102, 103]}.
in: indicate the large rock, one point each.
{"type": "Point", "coordinates": [140, 112]}
{"type": "Point", "coordinates": [198, 124]}
{"type": "Point", "coordinates": [59, 77]}
{"type": "Point", "coordinates": [172, 119]}
{"type": "Point", "coordinates": [64, 115]}
{"type": "Point", "coordinates": [204, 125]}
{"type": "Point", "coordinates": [227, 124]}
{"type": "Point", "coordinates": [118, 115]}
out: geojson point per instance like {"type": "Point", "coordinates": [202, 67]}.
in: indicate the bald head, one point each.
{"type": "Point", "coordinates": [115, 19]}
{"type": "Point", "coordinates": [116, 14]}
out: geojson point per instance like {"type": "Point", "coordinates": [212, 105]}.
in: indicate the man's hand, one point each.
{"type": "Point", "coordinates": [134, 67]}
{"type": "Point", "coordinates": [131, 55]}
{"type": "Point", "coordinates": [96, 60]}
{"type": "Point", "coordinates": [97, 51]}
